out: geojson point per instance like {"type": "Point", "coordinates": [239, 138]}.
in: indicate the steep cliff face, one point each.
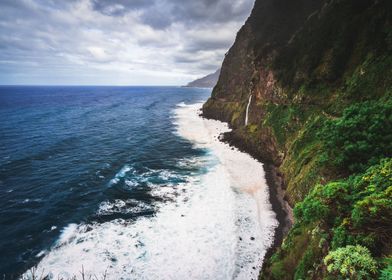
{"type": "Point", "coordinates": [313, 68]}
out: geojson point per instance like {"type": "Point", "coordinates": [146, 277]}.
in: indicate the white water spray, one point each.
{"type": "Point", "coordinates": [218, 224]}
{"type": "Point", "coordinates": [247, 110]}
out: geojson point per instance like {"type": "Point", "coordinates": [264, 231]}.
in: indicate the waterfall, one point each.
{"type": "Point", "coordinates": [247, 110]}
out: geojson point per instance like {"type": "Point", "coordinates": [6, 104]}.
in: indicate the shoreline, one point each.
{"type": "Point", "coordinates": [250, 206]}
{"type": "Point", "coordinates": [276, 187]}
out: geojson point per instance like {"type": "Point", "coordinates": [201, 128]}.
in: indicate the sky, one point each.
{"type": "Point", "coordinates": [115, 42]}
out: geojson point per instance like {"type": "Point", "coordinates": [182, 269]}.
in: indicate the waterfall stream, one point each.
{"type": "Point", "coordinates": [247, 110]}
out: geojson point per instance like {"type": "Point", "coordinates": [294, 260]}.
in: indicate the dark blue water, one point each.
{"type": "Point", "coordinates": [62, 150]}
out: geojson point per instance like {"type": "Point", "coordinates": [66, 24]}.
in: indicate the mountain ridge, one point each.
{"type": "Point", "coordinates": [208, 81]}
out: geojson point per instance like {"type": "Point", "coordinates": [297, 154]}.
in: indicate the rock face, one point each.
{"type": "Point", "coordinates": [208, 81]}
{"type": "Point", "coordinates": [304, 63]}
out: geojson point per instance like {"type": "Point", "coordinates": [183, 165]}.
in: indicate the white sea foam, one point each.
{"type": "Point", "coordinates": [254, 217]}
{"type": "Point", "coordinates": [129, 206]}
{"type": "Point", "coordinates": [120, 175]}
{"type": "Point", "coordinates": [217, 226]}
{"type": "Point", "coordinates": [40, 254]}
{"type": "Point", "coordinates": [138, 177]}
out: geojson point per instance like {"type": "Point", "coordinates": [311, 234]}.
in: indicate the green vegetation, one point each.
{"type": "Point", "coordinates": [348, 222]}
{"type": "Point", "coordinates": [336, 131]}
{"type": "Point", "coordinates": [386, 273]}
{"type": "Point", "coordinates": [363, 202]}
{"type": "Point", "coordinates": [352, 262]}
{"type": "Point", "coordinates": [361, 136]}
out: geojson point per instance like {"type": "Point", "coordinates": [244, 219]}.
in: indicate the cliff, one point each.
{"type": "Point", "coordinates": [208, 81]}
{"type": "Point", "coordinates": [319, 73]}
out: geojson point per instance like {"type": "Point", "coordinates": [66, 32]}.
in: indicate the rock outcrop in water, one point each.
{"type": "Point", "coordinates": [208, 81]}
{"type": "Point", "coordinates": [320, 76]}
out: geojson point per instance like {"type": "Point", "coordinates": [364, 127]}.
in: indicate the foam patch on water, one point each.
{"type": "Point", "coordinates": [120, 175]}
{"type": "Point", "coordinates": [129, 206]}
{"type": "Point", "coordinates": [133, 178]}
{"type": "Point", "coordinates": [218, 224]}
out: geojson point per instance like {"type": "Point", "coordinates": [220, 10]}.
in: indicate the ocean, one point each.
{"type": "Point", "coordinates": [126, 182]}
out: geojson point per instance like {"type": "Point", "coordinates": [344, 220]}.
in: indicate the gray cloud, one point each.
{"type": "Point", "coordinates": [211, 11]}
{"type": "Point", "coordinates": [115, 42]}
{"type": "Point", "coordinates": [120, 7]}
{"type": "Point", "coordinates": [162, 13]}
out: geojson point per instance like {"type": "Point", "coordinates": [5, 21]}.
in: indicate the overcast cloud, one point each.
{"type": "Point", "coordinates": [122, 42]}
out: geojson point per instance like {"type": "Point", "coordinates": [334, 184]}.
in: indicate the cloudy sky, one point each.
{"type": "Point", "coordinates": [115, 42]}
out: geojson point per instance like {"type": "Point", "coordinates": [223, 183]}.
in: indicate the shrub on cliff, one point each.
{"type": "Point", "coordinates": [356, 212]}
{"type": "Point", "coordinates": [351, 262]}
{"type": "Point", "coordinates": [361, 136]}
{"type": "Point", "coordinates": [372, 211]}
{"type": "Point", "coordinates": [386, 273]}
{"type": "Point", "coordinates": [324, 203]}
{"type": "Point", "coordinates": [311, 210]}
{"type": "Point", "coordinates": [361, 203]}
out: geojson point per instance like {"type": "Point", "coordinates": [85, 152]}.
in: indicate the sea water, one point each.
{"type": "Point", "coordinates": [127, 182]}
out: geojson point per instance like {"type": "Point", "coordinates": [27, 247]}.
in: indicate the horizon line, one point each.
{"type": "Point", "coordinates": [90, 85]}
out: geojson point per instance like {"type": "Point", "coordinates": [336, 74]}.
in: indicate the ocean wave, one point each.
{"type": "Point", "coordinates": [129, 206]}
{"type": "Point", "coordinates": [120, 175]}
{"type": "Point", "coordinates": [133, 177]}
{"type": "Point", "coordinates": [217, 224]}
